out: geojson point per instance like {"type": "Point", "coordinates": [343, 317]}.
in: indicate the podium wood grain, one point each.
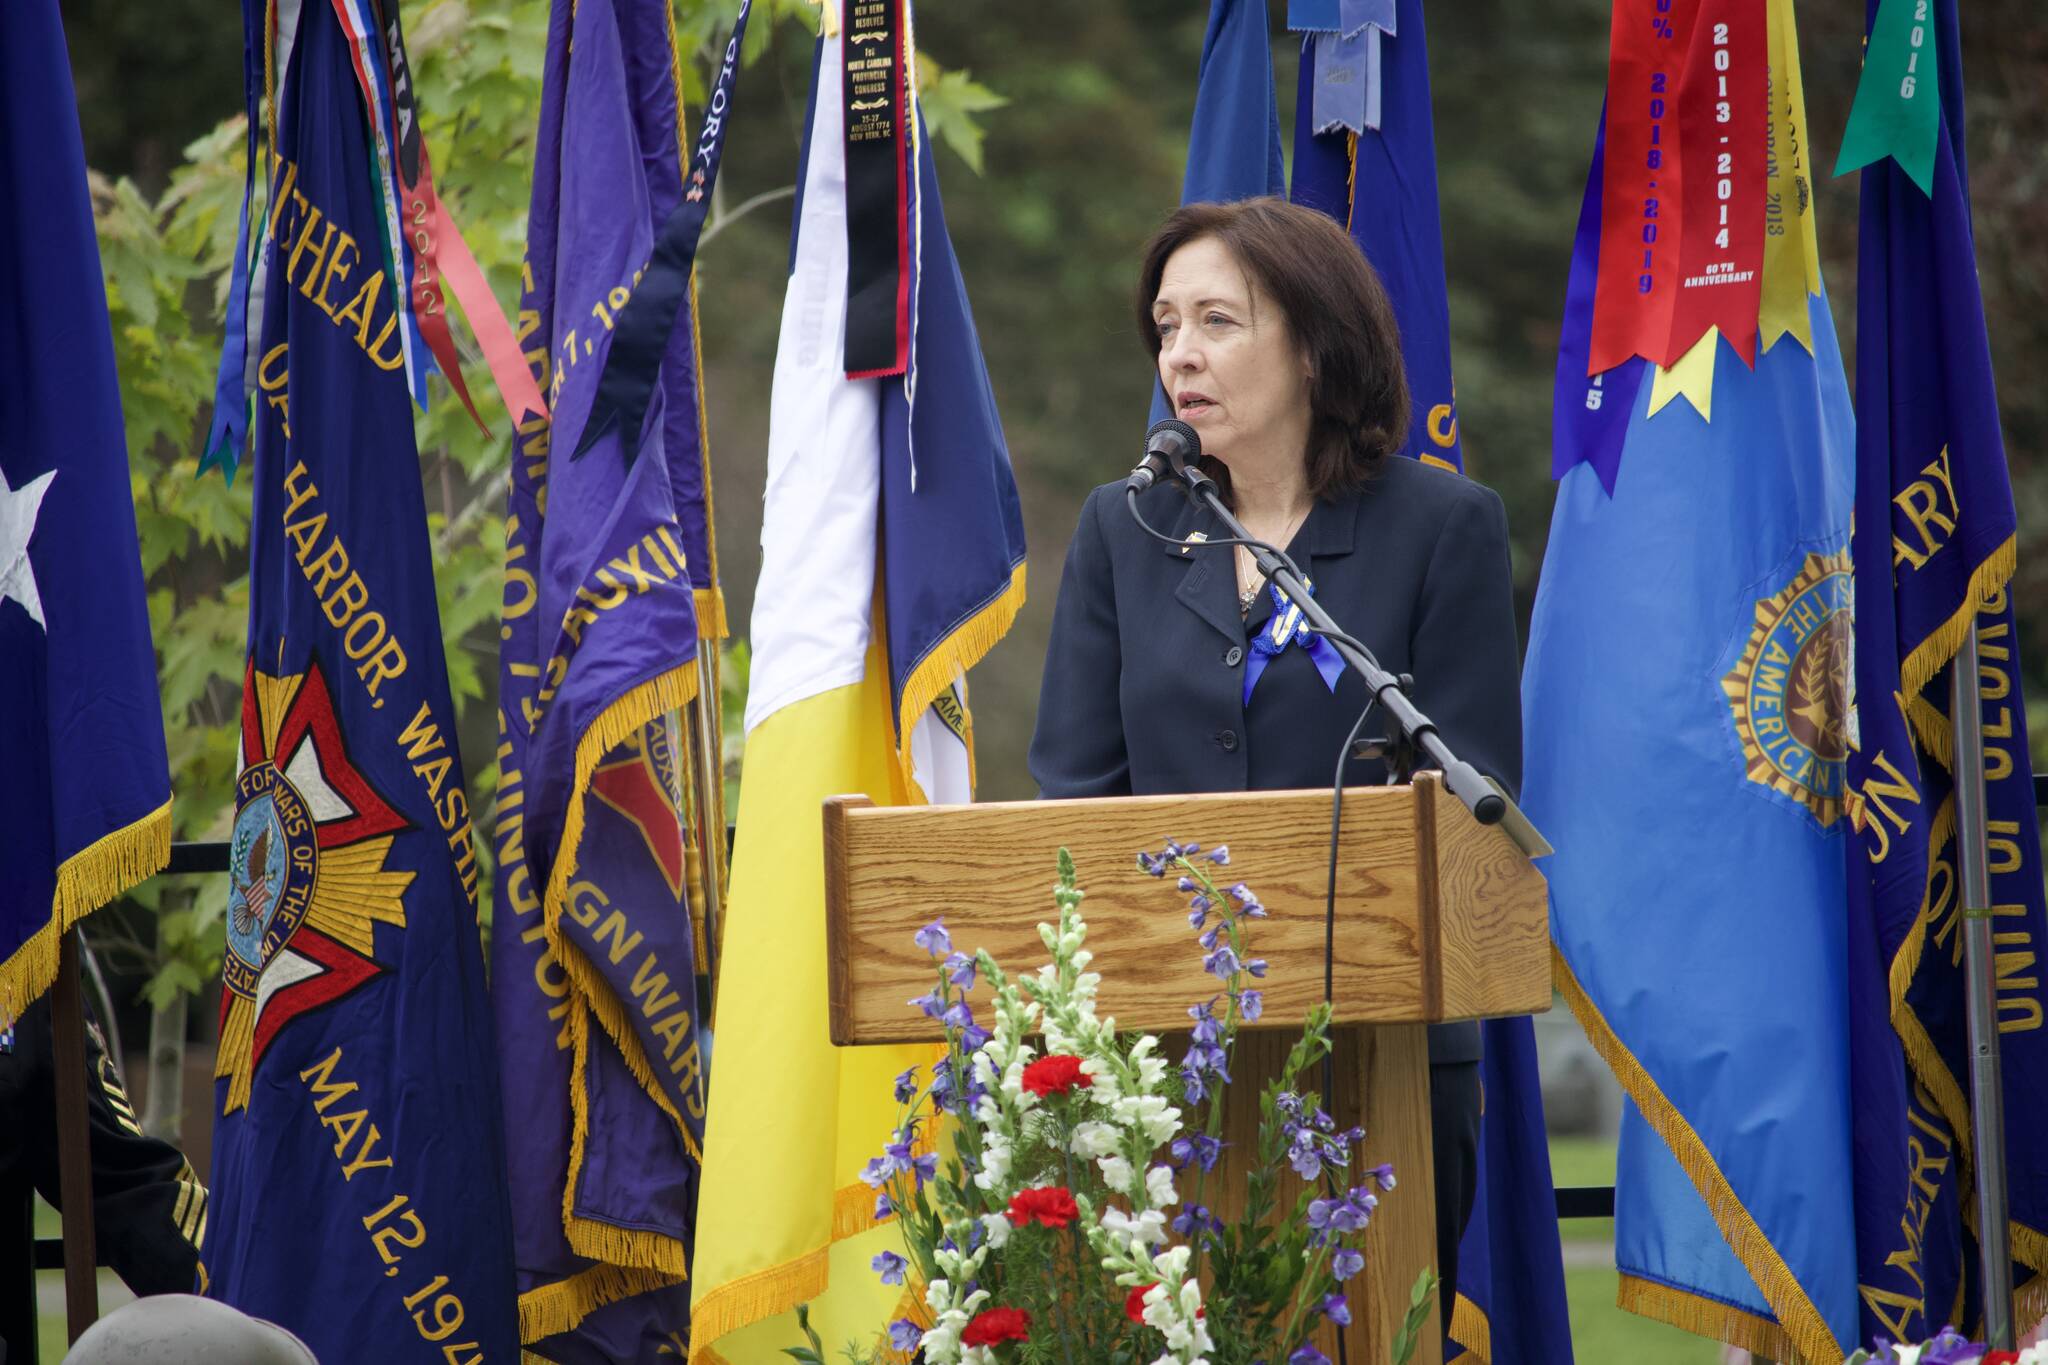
{"type": "Point", "coordinates": [1438, 917]}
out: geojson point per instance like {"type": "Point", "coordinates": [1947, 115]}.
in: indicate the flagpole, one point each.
{"type": "Point", "coordinates": [710, 776]}
{"type": "Point", "coordinates": [1987, 1098]}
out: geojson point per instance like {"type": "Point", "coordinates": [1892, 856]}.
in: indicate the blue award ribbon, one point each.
{"type": "Point", "coordinates": [1286, 627]}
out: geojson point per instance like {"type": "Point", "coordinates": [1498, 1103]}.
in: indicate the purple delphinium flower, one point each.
{"type": "Point", "coordinates": [1950, 1347]}
{"type": "Point", "coordinates": [1195, 1220]}
{"type": "Point", "coordinates": [1250, 1005]}
{"type": "Point", "coordinates": [1198, 912]}
{"type": "Point", "coordinates": [884, 1207]}
{"type": "Point", "coordinates": [904, 1335]}
{"type": "Point", "coordinates": [1207, 1029]}
{"type": "Point", "coordinates": [1337, 1310]}
{"type": "Point", "coordinates": [1173, 849]}
{"type": "Point", "coordinates": [906, 1086]}
{"type": "Point", "coordinates": [1243, 894]}
{"type": "Point", "coordinates": [1196, 1149]}
{"type": "Point", "coordinates": [931, 1004]}
{"type": "Point", "coordinates": [1184, 884]}
{"type": "Point", "coordinates": [1220, 855]}
{"type": "Point", "coordinates": [1308, 1355]}
{"type": "Point", "coordinates": [960, 971]}
{"type": "Point", "coordinates": [1151, 865]}
{"type": "Point", "coordinates": [926, 1168]}
{"type": "Point", "coordinates": [1383, 1173]}
{"type": "Point", "coordinates": [889, 1266]}
{"type": "Point", "coordinates": [1345, 1262]}
{"type": "Point", "coordinates": [1222, 963]}
{"type": "Point", "coordinates": [934, 939]}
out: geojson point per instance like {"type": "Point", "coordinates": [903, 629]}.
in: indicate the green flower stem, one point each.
{"type": "Point", "coordinates": [1302, 1298]}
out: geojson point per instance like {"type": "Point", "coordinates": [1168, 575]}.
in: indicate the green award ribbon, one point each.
{"type": "Point", "coordinates": [1897, 112]}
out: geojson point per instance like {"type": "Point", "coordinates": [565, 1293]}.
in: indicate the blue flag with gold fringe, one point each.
{"type": "Point", "coordinates": [1365, 153]}
{"type": "Point", "coordinates": [1934, 553]}
{"type": "Point", "coordinates": [358, 1163]}
{"type": "Point", "coordinates": [1686, 704]}
{"type": "Point", "coordinates": [610, 593]}
{"type": "Point", "coordinates": [85, 811]}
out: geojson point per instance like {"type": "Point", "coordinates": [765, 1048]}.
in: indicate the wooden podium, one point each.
{"type": "Point", "coordinates": [1438, 918]}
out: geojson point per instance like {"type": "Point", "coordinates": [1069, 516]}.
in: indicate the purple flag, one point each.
{"type": "Point", "coordinates": [607, 561]}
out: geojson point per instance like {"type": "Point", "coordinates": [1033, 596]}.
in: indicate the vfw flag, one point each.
{"type": "Point", "coordinates": [358, 1167]}
{"type": "Point", "coordinates": [892, 559]}
{"type": "Point", "coordinates": [85, 804]}
{"type": "Point", "coordinates": [1686, 689]}
{"type": "Point", "coordinates": [596, 957]}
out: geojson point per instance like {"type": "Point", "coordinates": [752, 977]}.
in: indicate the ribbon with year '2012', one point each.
{"type": "Point", "coordinates": [377, 50]}
{"type": "Point", "coordinates": [1682, 212]}
{"type": "Point", "coordinates": [642, 328]}
{"type": "Point", "coordinates": [1288, 627]}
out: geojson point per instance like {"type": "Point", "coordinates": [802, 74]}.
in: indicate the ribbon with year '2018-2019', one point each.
{"type": "Point", "coordinates": [1682, 213]}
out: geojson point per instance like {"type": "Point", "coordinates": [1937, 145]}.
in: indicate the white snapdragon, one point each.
{"type": "Point", "coordinates": [1140, 1229]}
{"type": "Point", "coordinates": [996, 1228]}
{"type": "Point", "coordinates": [1150, 1114]}
{"type": "Point", "coordinates": [1117, 1174]}
{"type": "Point", "coordinates": [1094, 1138]}
{"type": "Point", "coordinates": [1159, 1190]}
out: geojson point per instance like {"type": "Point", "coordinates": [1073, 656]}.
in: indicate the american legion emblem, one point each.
{"type": "Point", "coordinates": [1789, 693]}
{"type": "Point", "coordinates": [307, 883]}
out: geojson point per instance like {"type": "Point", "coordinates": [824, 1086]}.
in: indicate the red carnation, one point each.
{"type": "Point", "coordinates": [1055, 1075]}
{"type": "Point", "coordinates": [1134, 1304]}
{"type": "Point", "coordinates": [2000, 1358]}
{"type": "Point", "coordinates": [1053, 1206]}
{"type": "Point", "coordinates": [994, 1326]}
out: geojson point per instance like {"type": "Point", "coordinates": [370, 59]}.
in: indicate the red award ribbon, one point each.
{"type": "Point", "coordinates": [1723, 113]}
{"type": "Point", "coordinates": [1682, 206]}
{"type": "Point", "coordinates": [1641, 215]}
{"type": "Point", "coordinates": [428, 226]}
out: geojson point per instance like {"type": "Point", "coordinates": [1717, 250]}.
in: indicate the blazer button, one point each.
{"type": "Point", "coordinates": [1226, 740]}
{"type": "Point", "coordinates": [1232, 657]}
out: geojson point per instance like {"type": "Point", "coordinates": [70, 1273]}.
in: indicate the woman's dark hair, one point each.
{"type": "Point", "coordinates": [1336, 309]}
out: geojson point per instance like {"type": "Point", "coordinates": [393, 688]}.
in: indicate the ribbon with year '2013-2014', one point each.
{"type": "Point", "coordinates": [428, 231]}
{"type": "Point", "coordinates": [1682, 209]}
{"type": "Point", "coordinates": [1288, 627]}
{"type": "Point", "coordinates": [642, 328]}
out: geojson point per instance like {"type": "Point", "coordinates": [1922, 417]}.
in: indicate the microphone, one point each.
{"type": "Point", "coordinates": [1169, 445]}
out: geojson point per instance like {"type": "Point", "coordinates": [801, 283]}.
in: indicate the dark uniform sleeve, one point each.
{"type": "Point", "coordinates": [1465, 658]}
{"type": "Point", "coordinates": [149, 1208]}
{"type": "Point", "coordinates": [1078, 747]}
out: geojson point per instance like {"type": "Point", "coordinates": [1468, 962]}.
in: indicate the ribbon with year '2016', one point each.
{"type": "Point", "coordinates": [1287, 627]}
{"type": "Point", "coordinates": [428, 232]}
{"type": "Point", "coordinates": [1682, 208]}
{"type": "Point", "coordinates": [642, 328]}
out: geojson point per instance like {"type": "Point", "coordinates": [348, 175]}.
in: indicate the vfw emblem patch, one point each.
{"type": "Point", "coordinates": [306, 879]}
{"type": "Point", "coordinates": [1789, 693]}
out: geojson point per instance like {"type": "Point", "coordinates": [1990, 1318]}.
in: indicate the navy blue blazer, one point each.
{"type": "Point", "coordinates": [1144, 676]}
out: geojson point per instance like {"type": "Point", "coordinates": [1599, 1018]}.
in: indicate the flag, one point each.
{"type": "Point", "coordinates": [1234, 140]}
{"type": "Point", "coordinates": [610, 592]}
{"type": "Point", "coordinates": [85, 812]}
{"type": "Point", "coordinates": [358, 1164]}
{"type": "Point", "coordinates": [1363, 135]}
{"type": "Point", "coordinates": [1934, 552]}
{"type": "Point", "coordinates": [1363, 138]}
{"type": "Point", "coordinates": [1687, 724]}
{"type": "Point", "coordinates": [892, 559]}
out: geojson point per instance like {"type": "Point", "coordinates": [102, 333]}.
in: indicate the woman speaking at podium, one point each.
{"type": "Point", "coordinates": [1275, 341]}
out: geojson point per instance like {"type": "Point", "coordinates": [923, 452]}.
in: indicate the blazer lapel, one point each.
{"type": "Point", "coordinates": [1208, 588]}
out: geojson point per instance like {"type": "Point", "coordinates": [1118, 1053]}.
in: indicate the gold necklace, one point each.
{"type": "Point", "coordinates": [1247, 595]}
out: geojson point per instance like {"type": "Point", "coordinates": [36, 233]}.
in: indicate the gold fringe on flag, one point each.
{"type": "Point", "coordinates": [1472, 1329]}
{"type": "Point", "coordinates": [87, 880]}
{"type": "Point", "coordinates": [953, 654]}
{"type": "Point", "coordinates": [1708, 1318]}
{"type": "Point", "coordinates": [552, 1309]}
{"type": "Point", "coordinates": [1801, 1324]}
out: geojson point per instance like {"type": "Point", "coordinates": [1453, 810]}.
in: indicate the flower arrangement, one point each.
{"type": "Point", "coordinates": [1949, 1348]}
{"type": "Point", "coordinates": [1071, 1221]}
